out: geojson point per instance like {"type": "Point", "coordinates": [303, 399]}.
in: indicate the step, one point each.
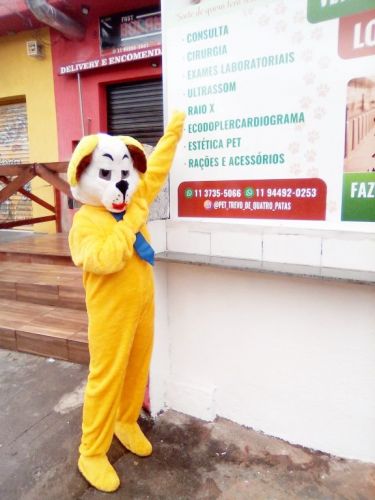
{"type": "Point", "coordinates": [46, 284]}
{"type": "Point", "coordinates": [46, 248]}
{"type": "Point", "coordinates": [55, 332]}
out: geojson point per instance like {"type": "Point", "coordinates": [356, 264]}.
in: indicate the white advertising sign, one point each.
{"type": "Point", "coordinates": [280, 103]}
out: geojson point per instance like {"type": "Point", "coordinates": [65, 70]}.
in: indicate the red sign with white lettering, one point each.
{"type": "Point", "coordinates": [357, 35]}
{"type": "Point", "coordinates": [295, 199]}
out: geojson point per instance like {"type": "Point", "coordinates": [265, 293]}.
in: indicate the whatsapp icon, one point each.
{"type": "Point", "coordinates": [248, 192]}
{"type": "Point", "coordinates": [189, 193]}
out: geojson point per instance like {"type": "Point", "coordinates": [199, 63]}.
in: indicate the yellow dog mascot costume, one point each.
{"type": "Point", "coordinates": [109, 241]}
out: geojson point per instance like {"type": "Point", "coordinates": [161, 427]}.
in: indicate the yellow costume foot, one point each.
{"type": "Point", "coordinates": [99, 473]}
{"type": "Point", "coordinates": [133, 439]}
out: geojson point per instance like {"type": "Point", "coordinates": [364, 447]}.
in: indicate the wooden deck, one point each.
{"type": "Point", "coordinates": [42, 306]}
{"type": "Point", "coordinates": [46, 249]}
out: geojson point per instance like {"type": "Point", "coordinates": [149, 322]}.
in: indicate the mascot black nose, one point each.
{"type": "Point", "coordinates": [123, 187]}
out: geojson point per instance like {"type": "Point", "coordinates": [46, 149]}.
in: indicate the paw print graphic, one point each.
{"type": "Point", "coordinates": [322, 90]}
{"type": "Point", "coordinates": [324, 62]}
{"type": "Point", "coordinates": [280, 8]}
{"type": "Point", "coordinates": [319, 113]}
{"type": "Point", "coordinates": [281, 26]}
{"type": "Point", "coordinates": [310, 155]}
{"type": "Point", "coordinates": [332, 207]}
{"type": "Point", "coordinates": [309, 78]}
{"type": "Point", "coordinates": [317, 34]}
{"type": "Point", "coordinates": [299, 17]}
{"type": "Point", "coordinates": [264, 20]}
{"type": "Point", "coordinates": [299, 127]}
{"type": "Point", "coordinates": [294, 147]}
{"type": "Point", "coordinates": [307, 55]}
{"type": "Point", "coordinates": [305, 102]}
{"type": "Point", "coordinates": [297, 37]}
{"type": "Point", "coordinates": [313, 136]}
{"type": "Point", "coordinates": [248, 11]}
{"type": "Point", "coordinates": [295, 169]}
{"type": "Point", "coordinates": [313, 172]}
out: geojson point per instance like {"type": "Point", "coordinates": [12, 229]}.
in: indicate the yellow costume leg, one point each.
{"type": "Point", "coordinates": [127, 429]}
{"type": "Point", "coordinates": [110, 343]}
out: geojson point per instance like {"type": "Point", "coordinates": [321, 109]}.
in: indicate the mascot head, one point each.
{"type": "Point", "coordinates": [105, 170]}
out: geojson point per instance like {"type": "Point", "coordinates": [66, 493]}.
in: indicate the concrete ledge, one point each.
{"type": "Point", "coordinates": [328, 273]}
{"type": "Point", "coordinates": [317, 249]}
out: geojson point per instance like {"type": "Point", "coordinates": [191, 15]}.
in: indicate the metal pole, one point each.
{"type": "Point", "coordinates": [81, 102]}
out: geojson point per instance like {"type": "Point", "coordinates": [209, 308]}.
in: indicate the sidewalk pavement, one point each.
{"type": "Point", "coordinates": [40, 419]}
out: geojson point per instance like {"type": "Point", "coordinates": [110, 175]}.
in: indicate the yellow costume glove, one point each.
{"type": "Point", "coordinates": [100, 248]}
{"type": "Point", "coordinates": [105, 251]}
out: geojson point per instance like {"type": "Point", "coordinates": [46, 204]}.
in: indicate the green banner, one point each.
{"type": "Point", "coordinates": [358, 197]}
{"type": "Point", "coordinates": [322, 10]}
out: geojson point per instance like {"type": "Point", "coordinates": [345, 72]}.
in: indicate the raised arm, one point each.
{"type": "Point", "coordinates": [160, 161]}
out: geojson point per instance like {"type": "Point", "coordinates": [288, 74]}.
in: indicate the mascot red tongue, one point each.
{"type": "Point", "coordinates": [120, 206]}
{"type": "Point", "coordinates": [109, 175]}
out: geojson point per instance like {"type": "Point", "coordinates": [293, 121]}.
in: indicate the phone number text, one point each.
{"type": "Point", "coordinates": [250, 193]}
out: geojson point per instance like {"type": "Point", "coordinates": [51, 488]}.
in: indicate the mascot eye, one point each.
{"type": "Point", "coordinates": [107, 155]}
{"type": "Point", "coordinates": [105, 174]}
{"type": "Point", "coordinates": [124, 174]}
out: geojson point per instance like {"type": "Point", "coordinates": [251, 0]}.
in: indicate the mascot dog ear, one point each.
{"type": "Point", "coordinates": [81, 158]}
{"type": "Point", "coordinates": [136, 151]}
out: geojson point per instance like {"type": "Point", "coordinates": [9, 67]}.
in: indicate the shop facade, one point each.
{"type": "Point", "coordinates": [112, 80]}
{"type": "Point", "coordinates": [99, 70]}
{"type": "Point", "coordinates": [28, 117]}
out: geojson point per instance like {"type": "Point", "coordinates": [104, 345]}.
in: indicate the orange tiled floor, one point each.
{"type": "Point", "coordinates": [44, 330]}
{"type": "Point", "coordinates": [48, 284]}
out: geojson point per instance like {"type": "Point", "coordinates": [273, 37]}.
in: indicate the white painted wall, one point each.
{"type": "Point", "coordinates": [293, 357]}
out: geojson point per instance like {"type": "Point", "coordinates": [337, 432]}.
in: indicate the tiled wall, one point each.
{"type": "Point", "coordinates": [337, 249]}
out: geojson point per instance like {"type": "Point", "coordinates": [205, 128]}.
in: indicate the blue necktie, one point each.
{"type": "Point", "coordinates": [141, 246]}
